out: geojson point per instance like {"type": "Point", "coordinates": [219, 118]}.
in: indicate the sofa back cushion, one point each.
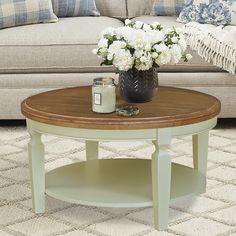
{"type": "Point", "coordinates": [112, 8]}
{"type": "Point", "coordinates": [139, 7]}
{"type": "Point", "coordinates": [64, 8]}
{"type": "Point", "coordinates": [220, 12]}
{"type": "Point", "coordinates": [167, 7]}
{"type": "Point", "coordinates": [24, 12]}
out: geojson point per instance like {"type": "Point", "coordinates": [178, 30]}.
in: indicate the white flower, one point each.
{"type": "Point", "coordinates": [123, 60]}
{"type": "Point", "coordinates": [147, 28]}
{"type": "Point", "coordinates": [124, 32]}
{"type": "Point", "coordinates": [115, 47]}
{"type": "Point", "coordinates": [138, 53]}
{"type": "Point", "coordinates": [176, 54]}
{"type": "Point", "coordinates": [155, 24]}
{"type": "Point", "coordinates": [110, 56]}
{"type": "Point", "coordinates": [128, 21]}
{"type": "Point", "coordinates": [148, 47]}
{"type": "Point", "coordinates": [103, 43]}
{"type": "Point", "coordinates": [138, 24]}
{"type": "Point", "coordinates": [146, 62]}
{"type": "Point", "coordinates": [102, 52]}
{"type": "Point", "coordinates": [165, 55]}
{"type": "Point", "coordinates": [179, 30]}
{"type": "Point", "coordinates": [155, 36]}
{"type": "Point", "coordinates": [143, 59]}
{"type": "Point", "coordinates": [174, 40]}
{"type": "Point", "coordinates": [137, 41]}
{"type": "Point", "coordinates": [108, 31]}
{"type": "Point", "coordinates": [182, 44]}
{"type": "Point", "coordinates": [154, 55]}
{"type": "Point", "coordinates": [189, 56]}
{"type": "Point", "coordinates": [95, 51]}
{"type": "Point", "coordinates": [139, 45]}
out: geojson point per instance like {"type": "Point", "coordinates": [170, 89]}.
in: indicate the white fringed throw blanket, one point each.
{"type": "Point", "coordinates": [216, 44]}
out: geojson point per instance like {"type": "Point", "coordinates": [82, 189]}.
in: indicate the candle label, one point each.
{"type": "Point", "coordinates": [97, 98]}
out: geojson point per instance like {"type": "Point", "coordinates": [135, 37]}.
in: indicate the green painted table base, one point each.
{"type": "Point", "coordinates": [120, 182]}
{"type": "Point", "coordinates": [117, 183]}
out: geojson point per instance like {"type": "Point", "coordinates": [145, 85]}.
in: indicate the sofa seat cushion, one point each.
{"type": "Point", "coordinates": [196, 64]}
{"type": "Point", "coordinates": [62, 47]}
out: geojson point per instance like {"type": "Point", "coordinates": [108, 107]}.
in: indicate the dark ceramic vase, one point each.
{"type": "Point", "coordinates": [138, 86]}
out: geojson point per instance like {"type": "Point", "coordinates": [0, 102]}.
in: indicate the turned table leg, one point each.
{"type": "Point", "coordinates": [200, 153]}
{"type": "Point", "coordinates": [37, 171]}
{"type": "Point", "coordinates": [91, 150]}
{"type": "Point", "coordinates": [161, 178]}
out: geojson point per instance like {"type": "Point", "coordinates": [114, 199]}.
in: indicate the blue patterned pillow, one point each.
{"type": "Point", "coordinates": [23, 12]}
{"type": "Point", "coordinates": [167, 7]}
{"type": "Point", "coordinates": [216, 12]}
{"type": "Point", "coordinates": [63, 8]}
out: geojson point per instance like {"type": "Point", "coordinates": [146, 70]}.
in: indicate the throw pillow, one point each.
{"type": "Point", "coordinates": [63, 8]}
{"type": "Point", "coordinates": [167, 7]}
{"type": "Point", "coordinates": [216, 12]}
{"type": "Point", "coordinates": [23, 12]}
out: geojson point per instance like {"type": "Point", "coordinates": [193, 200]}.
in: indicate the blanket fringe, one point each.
{"type": "Point", "coordinates": [210, 48]}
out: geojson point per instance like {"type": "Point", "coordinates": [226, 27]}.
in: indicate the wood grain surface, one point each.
{"type": "Point", "coordinates": [72, 107]}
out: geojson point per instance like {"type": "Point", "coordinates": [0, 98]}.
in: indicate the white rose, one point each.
{"type": "Point", "coordinates": [154, 55]}
{"type": "Point", "coordinates": [116, 46]}
{"type": "Point", "coordinates": [103, 52]}
{"type": "Point", "coordinates": [182, 44]}
{"type": "Point", "coordinates": [189, 56]}
{"type": "Point", "coordinates": [103, 43]}
{"type": "Point", "coordinates": [95, 51]}
{"type": "Point", "coordinates": [155, 24]}
{"type": "Point", "coordinates": [143, 59]}
{"type": "Point", "coordinates": [174, 40]}
{"type": "Point", "coordinates": [100, 52]}
{"type": "Point", "coordinates": [138, 53]}
{"type": "Point", "coordinates": [147, 28]}
{"type": "Point", "coordinates": [146, 63]}
{"type": "Point", "coordinates": [110, 57]}
{"type": "Point", "coordinates": [108, 31]}
{"type": "Point", "coordinates": [179, 30]}
{"type": "Point", "coordinates": [155, 36]}
{"type": "Point", "coordinates": [148, 47]}
{"type": "Point", "coordinates": [165, 55]}
{"type": "Point", "coordinates": [123, 60]}
{"type": "Point", "coordinates": [176, 54]}
{"type": "Point", "coordinates": [128, 21]}
{"type": "Point", "coordinates": [138, 24]}
{"type": "Point", "coordinates": [136, 40]}
{"type": "Point", "coordinates": [125, 32]}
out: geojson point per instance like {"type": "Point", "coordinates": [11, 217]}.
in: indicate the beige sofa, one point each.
{"type": "Point", "coordinates": [41, 57]}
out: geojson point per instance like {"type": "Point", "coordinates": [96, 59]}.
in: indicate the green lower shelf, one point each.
{"type": "Point", "coordinates": [117, 183]}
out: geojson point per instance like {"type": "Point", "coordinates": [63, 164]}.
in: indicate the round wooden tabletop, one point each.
{"type": "Point", "coordinates": [72, 107]}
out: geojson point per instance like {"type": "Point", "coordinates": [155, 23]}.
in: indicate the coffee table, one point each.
{"type": "Point", "coordinates": [120, 182]}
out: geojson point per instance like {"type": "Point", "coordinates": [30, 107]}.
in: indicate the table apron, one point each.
{"type": "Point", "coordinates": [116, 135]}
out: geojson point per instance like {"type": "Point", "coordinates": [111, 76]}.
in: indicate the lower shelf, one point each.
{"type": "Point", "coordinates": [117, 183]}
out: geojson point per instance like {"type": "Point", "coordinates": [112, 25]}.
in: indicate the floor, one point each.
{"type": "Point", "coordinates": [212, 213]}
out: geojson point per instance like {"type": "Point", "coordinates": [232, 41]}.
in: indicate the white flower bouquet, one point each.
{"type": "Point", "coordinates": [141, 46]}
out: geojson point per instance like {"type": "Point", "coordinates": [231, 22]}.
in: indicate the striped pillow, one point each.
{"type": "Point", "coordinates": [167, 7]}
{"type": "Point", "coordinates": [63, 8]}
{"type": "Point", "coordinates": [23, 12]}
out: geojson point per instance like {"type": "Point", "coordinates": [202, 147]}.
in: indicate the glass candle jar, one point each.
{"type": "Point", "coordinates": [104, 95]}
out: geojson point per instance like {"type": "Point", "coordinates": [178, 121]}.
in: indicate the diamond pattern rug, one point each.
{"type": "Point", "coordinates": [212, 213]}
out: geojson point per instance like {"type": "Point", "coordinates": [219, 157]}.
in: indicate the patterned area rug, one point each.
{"type": "Point", "coordinates": [212, 213]}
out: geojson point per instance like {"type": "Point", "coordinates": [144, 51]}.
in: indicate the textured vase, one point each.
{"type": "Point", "coordinates": [138, 86]}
